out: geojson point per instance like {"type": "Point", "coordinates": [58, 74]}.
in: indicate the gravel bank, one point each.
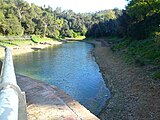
{"type": "Point", "coordinates": [135, 96]}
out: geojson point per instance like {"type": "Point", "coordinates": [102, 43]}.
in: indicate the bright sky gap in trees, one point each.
{"type": "Point", "coordinates": [82, 5]}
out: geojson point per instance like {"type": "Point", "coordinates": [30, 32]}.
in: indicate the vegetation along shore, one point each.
{"type": "Point", "coordinates": [134, 93]}
{"type": "Point", "coordinates": [25, 46]}
{"type": "Point", "coordinates": [127, 48]}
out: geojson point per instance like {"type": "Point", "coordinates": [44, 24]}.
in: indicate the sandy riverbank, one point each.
{"type": "Point", "coordinates": [135, 95]}
{"type": "Point", "coordinates": [29, 48]}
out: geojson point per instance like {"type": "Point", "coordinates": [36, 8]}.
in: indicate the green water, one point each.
{"type": "Point", "coordinates": [72, 68]}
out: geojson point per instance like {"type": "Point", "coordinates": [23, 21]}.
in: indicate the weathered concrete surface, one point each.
{"type": "Point", "coordinates": [47, 102]}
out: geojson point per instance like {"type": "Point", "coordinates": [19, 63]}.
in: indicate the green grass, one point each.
{"type": "Point", "coordinates": [35, 39]}
{"type": "Point", "coordinates": [5, 44]}
{"type": "Point", "coordinates": [12, 43]}
{"type": "Point", "coordinates": [120, 44]}
{"type": "Point", "coordinates": [38, 39]}
{"type": "Point", "coordinates": [22, 42]}
{"type": "Point", "coordinates": [142, 52]}
{"type": "Point", "coordinates": [76, 38]}
{"type": "Point", "coordinates": [145, 50]}
{"type": "Point", "coordinates": [80, 37]}
{"type": "Point", "coordinates": [113, 39]}
{"type": "Point", "coordinates": [157, 75]}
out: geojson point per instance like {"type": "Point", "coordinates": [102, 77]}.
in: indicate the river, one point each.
{"type": "Point", "coordinates": [72, 68]}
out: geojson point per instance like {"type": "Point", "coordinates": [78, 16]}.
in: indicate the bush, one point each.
{"type": "Point", "coordinates": [157, 75]}
{"type": "Point", "coordinates": [157, 37]}
{"type": "Point", "coordinates": [35, 38]}
{"type": "Point", "coordinates": [56, 34]}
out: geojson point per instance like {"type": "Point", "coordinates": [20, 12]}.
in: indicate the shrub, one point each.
{"type": "Point", "coordinates": [157, 75]}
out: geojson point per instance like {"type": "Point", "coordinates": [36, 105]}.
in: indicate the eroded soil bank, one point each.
{"type": "Point", "coordinates": [134, 94]}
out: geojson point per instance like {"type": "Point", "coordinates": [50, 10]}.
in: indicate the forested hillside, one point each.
{"type": "Point", "coordinates": [138, 26]}
{"type": "Point", "coordinates": [140, 20]}
{"type": "Point", "coordinates": [135, 33]}
{"type": "Point", "coordinates": [17, 17]}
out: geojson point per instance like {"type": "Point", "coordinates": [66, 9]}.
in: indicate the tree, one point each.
{"type": "Point", "coordinates": [13, 26]}
{"type": "Point", "coordinates": [142, 13]}
{"type": "Point", "coordinates": [140, 9]}
{"type": "Point", "coordinates": [56, 33]}
{"type": "Point", "coordinates": [2, 23]}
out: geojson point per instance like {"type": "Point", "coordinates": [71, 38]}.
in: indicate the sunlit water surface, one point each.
{"type": "Point", "coordinates": [72, 68]}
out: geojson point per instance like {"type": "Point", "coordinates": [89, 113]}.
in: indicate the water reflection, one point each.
{"type": "Point", "coordinates": [72, 68]}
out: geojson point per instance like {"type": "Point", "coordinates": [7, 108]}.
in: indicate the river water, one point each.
{"type": "Point", "coordinates": [72, 68]}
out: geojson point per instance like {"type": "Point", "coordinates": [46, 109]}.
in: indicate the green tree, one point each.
{"type": "Point", "coordinates": [2, 23]}
{"type": "Point", "coordinates": [56, 33]}
{"type": "Point", "coordinates": [144, 18]}
{"type": "Point", "coordinates": [13, 26]}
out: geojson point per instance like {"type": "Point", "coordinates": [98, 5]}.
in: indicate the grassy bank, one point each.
{"type": "Point", "coordinates": [134, 94]}
{"type": "Point", "coordinates": [35, 39]}
{"type": "Point", "coordinates": [12, 43]}
{"type": "Point", "coordinates": [25, 46]}
{"type": "Point", "coordinates": [141, 53]}
{"type": "Point", "coordinates": [39, 39]}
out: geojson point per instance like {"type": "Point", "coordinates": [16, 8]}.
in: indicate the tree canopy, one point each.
{"type": "Point", "coordinates": [140, 20]}
{"type": "Point", "coordinates": [17, 17]}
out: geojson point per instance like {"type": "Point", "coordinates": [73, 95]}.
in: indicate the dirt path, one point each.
{"type": "Point", "coordinates": [135, 96]}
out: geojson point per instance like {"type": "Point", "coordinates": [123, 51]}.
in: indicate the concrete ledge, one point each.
{"type": "Point", "coordinates": [47, 102]}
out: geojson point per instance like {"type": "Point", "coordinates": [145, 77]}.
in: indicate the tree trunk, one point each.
{"type": "Point", "coordinates": [45, 28]}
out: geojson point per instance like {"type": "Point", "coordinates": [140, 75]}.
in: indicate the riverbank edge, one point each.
{"type": "Point", "coordinates": [96, 56]}
{"type": "Point", "coordinates": [45, 101]}
{"type": "Point", "coordinates": [18, 50]}
{"type": "Point", "coordinates": [134, 94]}
{"type": "Point", "coordinates": [77, 110]}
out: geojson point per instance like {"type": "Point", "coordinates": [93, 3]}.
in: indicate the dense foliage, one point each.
{"type": "Point", "coordinates": [140, 20]}
{"type": "Point", "coordinates": [135, 33]}
{"type": "Point", "coordinates": [139, 24]}
{"type": "Point", "coordinates": [17, 17]}
{"type": "Point", "coordinates": [139, 27]}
